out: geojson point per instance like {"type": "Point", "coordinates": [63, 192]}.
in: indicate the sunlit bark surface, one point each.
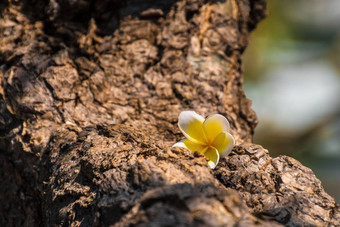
{"type": "Point", "coordinates": [90, 93]}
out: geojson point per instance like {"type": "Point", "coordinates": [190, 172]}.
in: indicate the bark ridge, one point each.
{"type": "Point", "coordinates": [90, 92]}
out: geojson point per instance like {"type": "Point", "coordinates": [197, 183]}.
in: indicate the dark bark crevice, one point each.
{"type": "Point", "coordinates": [90, 93]}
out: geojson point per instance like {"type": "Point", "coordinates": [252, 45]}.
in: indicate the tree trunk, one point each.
{"type": "Point", "coordinates": [90, 93]}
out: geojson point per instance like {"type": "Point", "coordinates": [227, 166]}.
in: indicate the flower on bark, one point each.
{"type": "Point", "coordinates": [208, 136]}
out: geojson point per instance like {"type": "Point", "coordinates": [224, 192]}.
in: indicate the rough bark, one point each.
{"type": "Point", "coordinates": [90, 92]}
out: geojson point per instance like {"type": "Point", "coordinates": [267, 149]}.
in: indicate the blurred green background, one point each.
{"type": "Point", "coordinates": [292, 75]}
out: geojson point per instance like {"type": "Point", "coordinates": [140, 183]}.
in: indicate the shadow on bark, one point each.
{"type": "Point", "coordinates": [90, 92]}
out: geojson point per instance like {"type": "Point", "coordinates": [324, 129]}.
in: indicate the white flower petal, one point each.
{"type": "Point", "coordinates": [180, 144]}
{"type": "Point", "coordinates": [224, 143]}
{"type": "Point", "coordinates": [190, 124]}
{"type": "Point", "coordinates": [213, 157]}
{"type": "Point", "coordinates": [192, 146]}
{"type": "Point", "coordinates": [214, 125]}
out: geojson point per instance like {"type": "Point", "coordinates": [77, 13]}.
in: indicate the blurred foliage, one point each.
{"type": "Point", "coordinates": [292, 74]}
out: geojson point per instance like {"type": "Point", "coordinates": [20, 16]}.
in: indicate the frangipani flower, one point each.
{"type": "Point", "coordinates": [207, 136]}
